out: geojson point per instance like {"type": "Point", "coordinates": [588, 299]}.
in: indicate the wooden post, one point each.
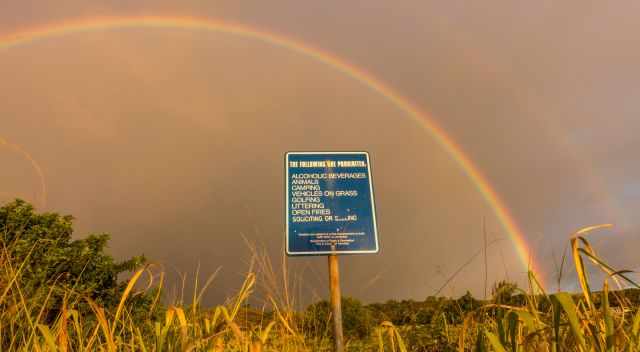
{"type": "Point", "coordinates": [336, 309]}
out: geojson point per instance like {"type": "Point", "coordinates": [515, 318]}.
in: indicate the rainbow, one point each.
{"type": "Point", "coordinates": [194, 23]}
{"type": "Point", "coordinates": [43, 186]}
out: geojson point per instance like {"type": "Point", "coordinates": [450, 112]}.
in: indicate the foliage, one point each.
{"type": "Point", "coordinates": [60, 294]}
{"type": "Point", "coordinates": [38, 252]}
{"type": "Point", "coordinates": [357, 319]}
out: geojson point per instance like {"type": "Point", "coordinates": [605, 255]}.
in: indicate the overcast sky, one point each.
{"type": "Point", "coordinates": [172, 140]}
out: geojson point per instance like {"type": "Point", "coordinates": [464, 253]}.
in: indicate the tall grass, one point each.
{"type": "Point", "coordinates": [174, 327]}
{"type": "Point", "coordinates": [561, 321]}
{"type": "Point", "coordinates": [594, 320]}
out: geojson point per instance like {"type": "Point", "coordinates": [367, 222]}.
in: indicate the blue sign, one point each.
{"type": "Point", "coordinates": [330, 206]}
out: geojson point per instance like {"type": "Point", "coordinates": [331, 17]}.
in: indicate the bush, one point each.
{"type": "Point", "coordinates": [49, 263]}
{"type": "Point", "coordinates": [357, 320]}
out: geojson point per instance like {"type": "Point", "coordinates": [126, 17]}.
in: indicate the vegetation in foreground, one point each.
{"type": "Point", "coordinates": [59, 294]}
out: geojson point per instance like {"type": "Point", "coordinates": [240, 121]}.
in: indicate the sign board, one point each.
{"type": "Point", "coordinates": [329, 200]}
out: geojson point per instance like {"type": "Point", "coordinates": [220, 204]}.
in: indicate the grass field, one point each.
{"type": "Point", "coordinates": [61, 317]}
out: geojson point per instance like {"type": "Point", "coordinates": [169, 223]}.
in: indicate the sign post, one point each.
{"type": "Point", "coordinates": [336, 305]}
{"type": "Point", "coordinates": [330, 211]}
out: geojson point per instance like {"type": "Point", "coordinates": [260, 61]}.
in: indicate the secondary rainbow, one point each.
{"type": "Point", "coordinates": [43, 186]}
{"type": "Point", "coordinates": [58, 29]}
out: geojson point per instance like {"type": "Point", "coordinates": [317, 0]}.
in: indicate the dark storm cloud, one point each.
{"type": "Point", "coordinates": [173, 141]}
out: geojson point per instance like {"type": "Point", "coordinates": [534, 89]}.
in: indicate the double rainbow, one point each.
{"type": "Point", "coordinates": [193, 23]}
